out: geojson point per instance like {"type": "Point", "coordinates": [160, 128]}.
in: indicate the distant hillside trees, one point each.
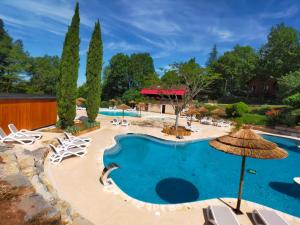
{"type": "Point", "coordinates": [237, 67]}
{"type": "Point", "coordinates": [281, 54]}
{"type": "Point", "coordinates": [68, 75]}
{"type": "Point", "coordinates": [93, 73]}
{"type": "Point", "coordinates": [44, 72]}
{"type": "Point", "coordinates": [19, 72]}
{"type": "Point", "coordinates": [213, 56]}
{"type": "Point", "coordinates": [13, 61]}
{"type": "Point", "coordinates": [125, 72]}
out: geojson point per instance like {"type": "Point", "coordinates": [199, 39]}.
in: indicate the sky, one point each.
{"type": "Point", "coordinates": [170, 30]}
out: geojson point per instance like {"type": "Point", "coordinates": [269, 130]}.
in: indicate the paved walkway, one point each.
{"type": "Point", "coordinates": [77, 181]}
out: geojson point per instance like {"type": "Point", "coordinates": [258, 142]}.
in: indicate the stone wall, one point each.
{"type": "Point", "coordinates": [26, 196]}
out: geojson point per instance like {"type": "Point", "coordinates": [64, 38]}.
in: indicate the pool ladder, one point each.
{"type": "Point", "coordinates": [106, 171]}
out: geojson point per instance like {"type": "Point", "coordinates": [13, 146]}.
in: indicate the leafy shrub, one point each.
{"type": "Point", "coordinates": [58, 124]}
{"type": "Point", "coordinates": [73, 129]}
{"type": "Point", "coordinates": [293, 100]}
{"type": "Point", "coordinates": [281, 117]}
{"type": "Point", "coordinates": [104, 104]}
{"type": "Point", "coordinates": [88, 124]}
{"type": "Point", "coordinates": [237, 109]}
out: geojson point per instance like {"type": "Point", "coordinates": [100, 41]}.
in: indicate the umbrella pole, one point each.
{"type": "Point", "coordinates": [238, 205]}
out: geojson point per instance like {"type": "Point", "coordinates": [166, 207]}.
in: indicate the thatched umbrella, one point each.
{"type": "Point", "coordinates": [80, 101]}
{"type": "Point", "coordinates": [191, 112]}
{"type": "Point", "coordinates": [218, 112]}
{"type": "Point", "coordinates": [246, 143]}
{"type": "Point", "coordinates": [123, 107]}
{"type": "Point", "coordinates": [114, 101]}
{"type": "Point", "coordinates": [141, 105]}
{"type": "Point", "coordinates": [202, 110]}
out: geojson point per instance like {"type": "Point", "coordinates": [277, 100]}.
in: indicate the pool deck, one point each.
{"type": "Point", "coordinates": [77, 181]}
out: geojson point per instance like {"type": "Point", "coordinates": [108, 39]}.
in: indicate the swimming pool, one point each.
{"type": "Point", "coordinates": [118, 113]}
{"type": "Point", "coordinates": [166, 172]}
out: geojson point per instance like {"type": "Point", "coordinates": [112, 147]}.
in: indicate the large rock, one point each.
{"type": "Point", "coordinates": [19, 204]}
{"type": "Point", "coordinates": [8, 164]}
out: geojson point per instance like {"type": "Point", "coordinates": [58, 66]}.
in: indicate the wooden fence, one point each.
{"type": "Point", "coordinates": [27, 113]}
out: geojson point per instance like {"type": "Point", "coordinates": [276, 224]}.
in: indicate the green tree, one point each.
{"type": "Point", "coordinates": [170, 78]}
{"type": "Point", "coordinates": [192, 78]}
{"type": "Point", "coordinates": [289, 84]}
{"type": "Point", "coordinates": [82, 91]}
{"type": "Point", "coordinates": [281, 54]}
{"type": "Point", "coordinates": [44, 72]}
{"type": "Point", "coordinates": [67, 83]}
{"type": "Point", "coordinates": [237, 67]}
{"type": "Point", "coordinates": [93, 73]}
{"type": "Point", "coordinates": [13, 61]}
{"type": "Point", "coordinates": [132, 95]}
{"type": "Point", "coordinates": [213, 56]}
{"type": "Point", "coordinates": [117, 78]}
{"type": "Point", "coordinates": [141, 69]}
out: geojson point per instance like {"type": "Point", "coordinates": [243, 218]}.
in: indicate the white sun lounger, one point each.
{"type": "Point", "coordinates": [267, 217]}
{"type": "Point", "coordinates": [13, 138]}
{"type": "Point", "coordinates": [61, 152]}
{"type": "Point", "coordinates": [76, 142]}
{"type": "Point", "coordinates": [115, 122]}
{"type": "Point", "coordinates": [221, 215]}
{"type": "Point", "coordinates": [191, 128]}
{"type": "Point", "coordinates": [125, 123]}
{"type": "Point", "coordinates": [24, 132]}
{"type": "Point", "coordinates": [73, 138]}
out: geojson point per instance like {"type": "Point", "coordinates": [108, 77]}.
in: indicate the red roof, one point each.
{"type": "Point", "coordinates": [162, 91]}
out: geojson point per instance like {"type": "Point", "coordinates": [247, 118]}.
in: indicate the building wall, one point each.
{"type": "Point", "coordinates": [157, 107]}
{"type": "Point", "coordinates": [27, 113]}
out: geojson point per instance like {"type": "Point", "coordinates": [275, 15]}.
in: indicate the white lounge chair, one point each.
{"type": "Point", "coordinates": [24, 132]}
{"type": "Point", "coordinates": [191, 128]}
{"type": "Point", "coordinates": [221, 215]}
{"type": "Point", "coordinates": [267, 217]}
{"type": "Point", "coordinates": [76, 143]}
{"type": "Point", "coordinates": [115, 122]}
{"type": "Point", "coordinates": [73, 138]}
{"type": "Point", "coordinates": [4, 138]}
{"type": "Point", "coordinates": [61, 152]}
{"type": "Point", "coordinates": [125, 123]}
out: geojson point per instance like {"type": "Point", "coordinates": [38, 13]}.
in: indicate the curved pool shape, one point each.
{"type": "Point", "coordinates": [165, 172]}
{"type": "Point", "coordinates": [118, 113]}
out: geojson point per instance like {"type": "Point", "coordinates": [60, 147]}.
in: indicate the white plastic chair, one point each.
{"type": "Point", "coordinates": [13, 138]}
{"type": "Point", "coordinates": [24, 132]}
{"type": "Point", "coordinates": [62, 152]}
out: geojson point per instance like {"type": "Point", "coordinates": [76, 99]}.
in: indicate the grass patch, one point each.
{"type": "Point", "coordinates": [254, 119]}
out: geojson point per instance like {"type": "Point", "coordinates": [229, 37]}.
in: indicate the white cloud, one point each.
{"type": "Point", "coordinates": [123, 46]}
{"type": "Point", "coordinates": [60, 12]}
{"type": "Point", "coordinates": [289, 12]}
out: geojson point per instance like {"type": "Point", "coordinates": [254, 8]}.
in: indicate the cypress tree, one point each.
{"type": "Point", "coordinates": [67, 83]}
{"type": "Point", "coordinates": [213, 56]}
{"type": "Point", "coordinates": [93, 73]}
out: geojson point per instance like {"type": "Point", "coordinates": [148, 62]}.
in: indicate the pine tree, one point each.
{"type": "Point", "coordinates": [93, 73]}
{"type": "Point", "coordinates": [213, 56]}
{"type": "Point", "coordinates": [67, 83]}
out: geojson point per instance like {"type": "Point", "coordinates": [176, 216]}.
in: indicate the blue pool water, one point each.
{"type": "Point", "coordinates": [165, 172]}
{"type": "Point", "coordinates": [118, 113]}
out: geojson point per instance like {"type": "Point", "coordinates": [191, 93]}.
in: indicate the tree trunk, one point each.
{"type": "Point", "coordinates": [176, 122]}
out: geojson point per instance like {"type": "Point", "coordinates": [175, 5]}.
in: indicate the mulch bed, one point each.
{"type": "Point", "coordinates": [181, 131]}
